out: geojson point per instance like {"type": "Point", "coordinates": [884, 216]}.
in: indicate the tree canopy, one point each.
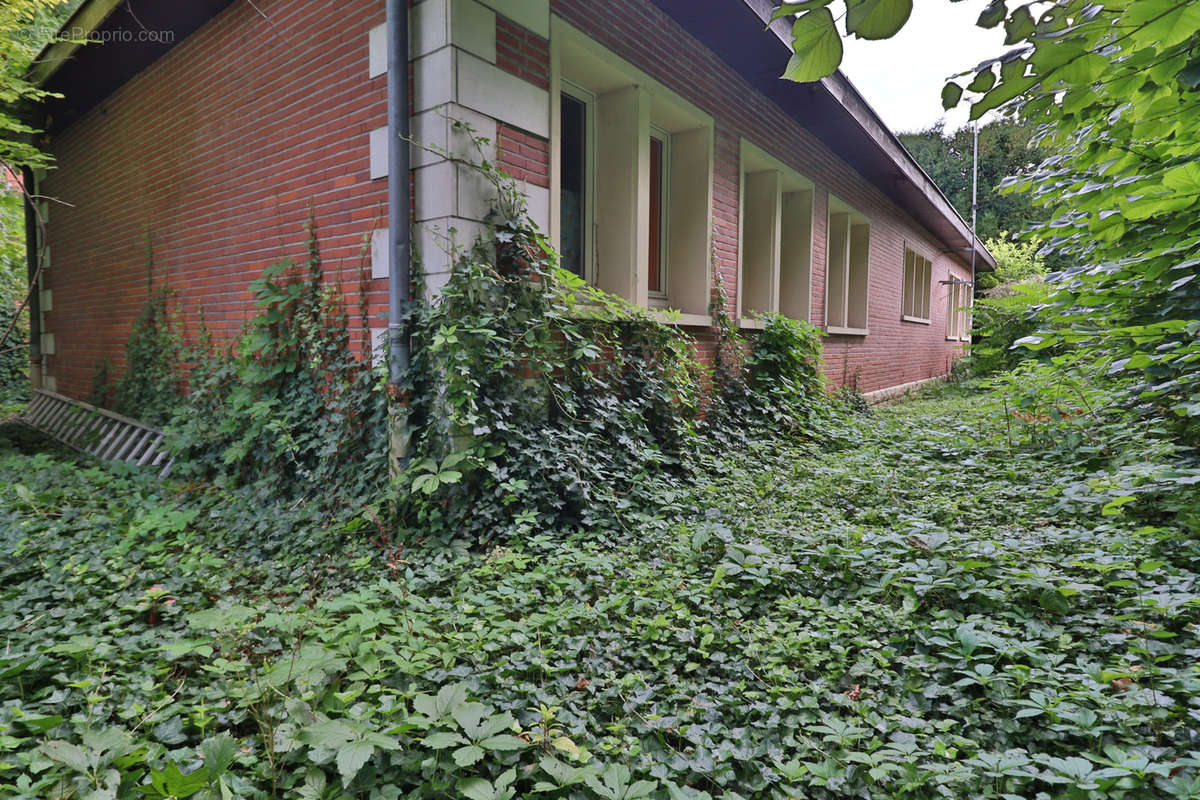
{"type": "Point", "coordinates": [1113, 86]}
{"type": "Point", "coordinates": [1004, 149]}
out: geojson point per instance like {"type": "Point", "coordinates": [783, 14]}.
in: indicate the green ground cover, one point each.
{"type": "Point", "coordinates": [917, 604]}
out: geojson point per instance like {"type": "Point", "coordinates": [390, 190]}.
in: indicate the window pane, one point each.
{"type": "Point", "coordinates": [656, 212]}
{"type": "Point", "coordinates": [573, 196]}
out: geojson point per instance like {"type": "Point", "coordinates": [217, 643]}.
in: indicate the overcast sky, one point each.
{"type": "Point", "coordinates": [902, 77]}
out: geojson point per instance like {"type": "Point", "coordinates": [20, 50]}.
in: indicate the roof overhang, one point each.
{"type": "Point", "coordinates": [831, 109]}
{"type": "Point", "coordinates": [105, 43]}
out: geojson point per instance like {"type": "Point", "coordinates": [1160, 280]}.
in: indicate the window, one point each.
{"type": "Point", "coordinates": [575, 182]}
{"type": "Point", "coordinates": [847, 277]}
{"type": "Point", "coordinates": [656, 258]}
{"type": "Point", "coordinates": [775, 238]}
{"type": "Point", "coordinates": [958, 310]}
{"type": "Point", "coordinates": [632, 167]}
{"type": "Point", "coordinates": [918, 273]}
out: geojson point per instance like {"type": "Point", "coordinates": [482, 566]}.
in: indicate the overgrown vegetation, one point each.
{"type": "Point", "coordinates": [290, 405]}
{"type": "Point", "coordinates": [943, 607]}
{"type": "Point", "coordinates": [1007, 146]}
{"type": "Point", "coordinates": [542, 401]}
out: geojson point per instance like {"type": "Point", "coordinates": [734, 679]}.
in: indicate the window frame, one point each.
{"type": "Point", "coordinates": [927, 272]}
{"type": "Point", "coordinates": [660, 297]}
{"type": "Point", "coordinates": [619, 239]}
{"type": "Point", "coordinates": [958, 313]}
{"type": "Point", "coordinates": [588, 99]}
{"type": "Point", "coordinates": [834, 205]}
{"type": "Point", "coordinates": [755, 160]}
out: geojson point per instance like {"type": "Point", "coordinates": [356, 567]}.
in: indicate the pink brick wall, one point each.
{"type": "Point", "coordinates": [523, 155]}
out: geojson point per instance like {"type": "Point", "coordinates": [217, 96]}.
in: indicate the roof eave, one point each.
{"type": "Point", "coordinates": [86, 19]}
{"type": "Point", "coordinates": [844, 92]}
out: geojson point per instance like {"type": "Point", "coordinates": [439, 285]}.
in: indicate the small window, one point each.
{"type": "Point", "coordinates": [659, 198]}
{"type": "Point", "coordinates": [847, 280]}
{"type": "Point", "coordinates": [958, 310]}
{"type": "Point", "coordinates": [918, 274]}
{"type": "Point", "coordinates": [574, 195]}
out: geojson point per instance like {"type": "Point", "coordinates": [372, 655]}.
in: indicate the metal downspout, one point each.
{"type": "Point", "coordinates": [32, 238]}
{"type": "Point", "coordinates": [399, 224]}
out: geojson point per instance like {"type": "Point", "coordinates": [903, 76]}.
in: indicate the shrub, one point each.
{"type": "Point", "coordinates": [14, 353]}
{"type": "Point", "coordinates": [1016, 262]}
{"type": "Point", "coordinates": [1008, 314]}
{"type": "Point", "coordinates": [289, 403]}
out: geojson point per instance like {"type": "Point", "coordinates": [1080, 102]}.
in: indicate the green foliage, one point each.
{"type": "Point", "coordinates": [1005, 148]}
{"type": "Point", "coordinates": [1114, 89]}
{"type": "Point", "coordinates": [290, 404]}
{"type": "Point", "coordinates": [14, 358]}
{"type": "Point", "coordinates": [1008, 314]}
{"type": "Point", "coordinates": [151, 386]}
{"type": "Point", "coordinates": [1016, 262]}
{"type": "Point", "coordinates": [786, 381]}
{"type": "Point", "coordinates": [540, 401]}
{"type": "Point", "coordinates": [25, 26]}
{"type": "Point", "coordinates": [937, 609]}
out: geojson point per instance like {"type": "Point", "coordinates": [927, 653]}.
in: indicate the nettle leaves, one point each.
{"type": "Point", "coordinates": [816, 42]}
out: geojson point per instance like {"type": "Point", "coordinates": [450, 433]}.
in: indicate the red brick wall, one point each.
{"type": "Point", "coordinates": [895, 352]}
{"type": "Point", "coordinates": [522, 52]}
{"type": "Point", "coordinates": [524, 156]}
{"type": "Point", "coordinates": [215, 154]}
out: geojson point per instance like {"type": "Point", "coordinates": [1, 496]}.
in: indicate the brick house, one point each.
{"type": "Point", "coordinates": [654, 138]}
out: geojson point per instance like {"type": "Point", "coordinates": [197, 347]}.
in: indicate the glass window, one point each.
{"type": "Point", "coordinates": [573, 196]}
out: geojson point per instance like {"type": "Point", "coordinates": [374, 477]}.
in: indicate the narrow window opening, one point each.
{"type": "Point", "coordinates": [658, 158]}
{"type": "Point", "coordinates": [573, 205]}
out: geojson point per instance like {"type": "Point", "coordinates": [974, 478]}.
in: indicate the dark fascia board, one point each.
{"type": "Point", "coordinates": [85, 74]}
{"type": "Point", "coordinates": [86, 19]}
{"type": "Point", "coordinates": [832, 109]}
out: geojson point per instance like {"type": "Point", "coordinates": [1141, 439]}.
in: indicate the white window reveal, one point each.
{"type": "Point", "coordinates": [918, 275]}
{"type": "Point", "coordinates": [632, 176]}
{"type": "Point", "coordinates": [775, 238]}
{"type": "Point", "coordinates": [847, 277]}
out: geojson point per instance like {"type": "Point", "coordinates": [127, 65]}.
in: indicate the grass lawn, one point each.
{"type": "Point", "coordinates": [916, 605]}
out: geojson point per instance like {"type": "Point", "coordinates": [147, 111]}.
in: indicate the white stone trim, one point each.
{"type": "Point", "coordinates": [381, 253]}
{"type": "Point", "coordinates": [379, 153]}
{"type": "Point", "coordinates": [898, 392]}
{"type": "Point", "coordinates": [501, 95]}
{"type": "Point", "coordinates": [379, 346]}
{"type": "Point", "coordinates": [531, 14]}
{"type": "Point", "coordinates": [434, 79]}
{"type": "Point", "coordinates": [473, 29]}
{"type": "Point", "coordinates": [377, 55]}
